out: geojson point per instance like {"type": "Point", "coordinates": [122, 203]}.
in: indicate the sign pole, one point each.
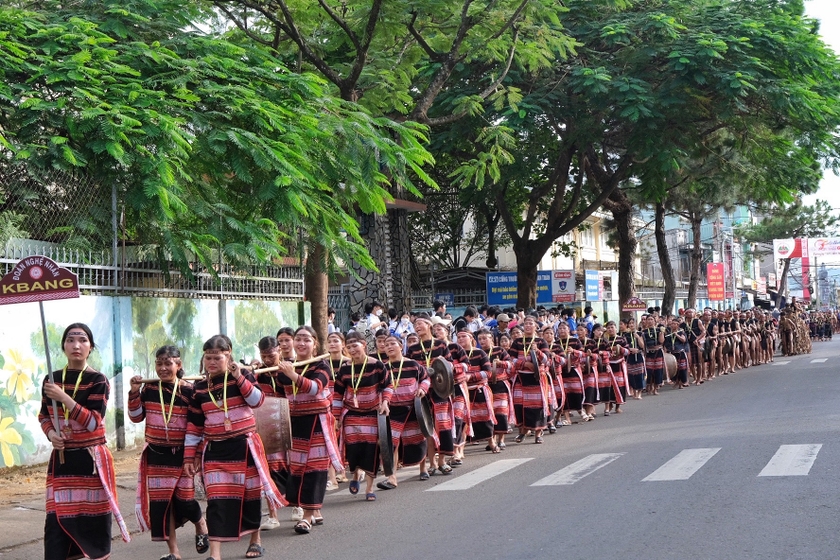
{"type": "Point", "coordinates": [56, 425]}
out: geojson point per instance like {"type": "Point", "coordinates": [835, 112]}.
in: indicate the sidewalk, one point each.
{"type": "Point", "coordinates": [22, 517]}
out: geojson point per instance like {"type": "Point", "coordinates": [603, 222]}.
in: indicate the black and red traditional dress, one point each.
{"type": "Point", "coordinates": [502, 394]}
{"type": "Point", "coordinates": [425, 352]}
{"type": "Point", "coordinates": [234, 468]}
{"type": "Point", "coordinates": [571, 371]}
{"type": "Point", "coordinates": [532, 392]}
{"type": "Point", "coordinates": [407, 376]}
{"type": "Point", "coordinates": [314, 446]}
{"type": "Point", "coordinates": [162, 487]}
{"type": "Point", "coordinates": [612, 385]}
{"type": "Point", "coordinates": [359, 390]}
{"type": "Point", "coordinates": [81, 491]}
{"type": "Point", "coordinates": [480, 397]}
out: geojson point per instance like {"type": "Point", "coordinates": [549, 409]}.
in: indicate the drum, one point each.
{"type": "Point", "coordinates": [670, 365]}
{"type": "Point", "coordinates": [274, 425]}
{"type": "Point", "coordinates": [386, 444]}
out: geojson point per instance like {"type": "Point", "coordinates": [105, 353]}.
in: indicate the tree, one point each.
{"type": "Point", "coordinates": [215, 148]}
{"type": "Point", "coordinates": [793, 220]}
{"type": "Point", "coordinates": [396, 58]}
{"type": "Point", "coordinates": [648, 86]}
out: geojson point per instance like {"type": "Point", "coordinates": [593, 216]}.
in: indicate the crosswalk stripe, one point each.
{"type": "Point", "coordinates": [782, 363]}
{"type": "Point", "coordinates": [819, 360]}
{"type": "Point", "coordinates": [686, 463]}
{"type": "Point", "coordinates": [792, 460]}
{"type": "Point", "coordinates": [578, 470]}
{"type": "Point", "coordinates": [472, 478]}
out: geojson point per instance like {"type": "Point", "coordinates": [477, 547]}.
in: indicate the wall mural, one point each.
{"type": "Point", "coordinates": [144, 324]}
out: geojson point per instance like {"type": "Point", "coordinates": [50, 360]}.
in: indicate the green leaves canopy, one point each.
{"type": "Point", "coordinates": [212, 145]}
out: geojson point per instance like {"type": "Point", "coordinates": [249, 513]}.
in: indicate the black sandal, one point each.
{"type": "Point", "coordinates": [202, 543]}
{"type": "Point", "coordinates": [255, 551]}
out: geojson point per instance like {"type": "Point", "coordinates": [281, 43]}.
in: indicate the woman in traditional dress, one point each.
{"type": "Point", "coordinates": [531, 401]}
{"type": "Point", "coordinates": [479, 397]}
{"type": "Point", "coordinates": [409, 380]}
{"type": "Point", "coordinates": [335, 346]}
{"type": "Point", "coordinates": [570, 373]}
{"type": "Point", "coordinates": [362, 391]}
{"type": "Point", "coordinates": [278, 464]}
{"type": "Point", "coordinates": [590, 371]}
{"type": "Point", "coordinates": [233, 463]}
{"type": "Point", "coordinates": [162, 506]}
{"type": "Point", "coordinates": [654, 338]}
{"type": "Point", "coordinates": [313, 428]}
{"type": "Point", "coordinates": [613, 388]}
{"type": "Point", "coordinates": [635, 358]}
{"type": "Point", "coordinates": [81, 482]}
{"type": "Point", "coordinates": [500, 387]}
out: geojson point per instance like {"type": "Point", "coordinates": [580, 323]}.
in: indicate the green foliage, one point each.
{"type": "Point", "coordinates": [211, 144]}
{"type": "Point", "coordinates": [792, 221]}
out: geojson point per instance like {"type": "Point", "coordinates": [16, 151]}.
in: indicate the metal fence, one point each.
{"type": "Point", "coordinates": [73, 219]}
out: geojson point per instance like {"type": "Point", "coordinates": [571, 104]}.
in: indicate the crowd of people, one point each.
{"type": "Point", "coordinates": [512, 372]}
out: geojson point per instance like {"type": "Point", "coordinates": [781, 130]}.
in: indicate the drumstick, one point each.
{"type": "Point", "coordinates": [294, 364]}
{"type": "Point", "coordinates": [157, 379]}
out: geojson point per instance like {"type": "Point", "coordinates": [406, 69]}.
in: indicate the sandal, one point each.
{"type": "Point", "coordinates": [354, 487]}
{"type": "Point", "coordinates": [169, 557]}
{"type": "Point", "coordinates": [456, 462]}
{"type": "Point", "coordinates": [318, 520]}
{"type": "Point", "coordinates": [445, 469]}
{"type": "Point", "coordinates": [424, 476]}
{"type": "Point", "coordinates": [519, 438]}
{"type": "Point", "coordinates": [254, 551]}
{"type": "Point", "coordinates": [497, 449]}
{"type": "Point", "coordinates": [386, 485]}
{"type": "Point", "coordinates": [370, 497]}
{"type": "Point", "coordinates": [538, 439]}
{"type": "Point", "coordinates": [303, 527]}
{"type": "Point", "coordinates": [202, 543]}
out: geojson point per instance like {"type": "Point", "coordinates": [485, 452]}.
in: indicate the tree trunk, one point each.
{"type": "Point", "coordinates": [527, 260]}
{"type": "Point", "coordinates": [491, 261]}
{"type": "Point", "coordinates": [783, 282]}
{"type": "Point", "coordinates": [696, 259]}
{"type": "Point", "coordinates": [664, 260]}
{"type": "Point", "coordinates": [315, 278]}
{"type": "Point", "coordinates": [622, 211]}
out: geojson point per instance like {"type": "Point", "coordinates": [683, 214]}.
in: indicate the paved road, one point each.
{"type": "Point", "coordinates": [745, 466]}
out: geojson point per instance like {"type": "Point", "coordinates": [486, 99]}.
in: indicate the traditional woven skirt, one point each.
{"type": "Point", "coordinates": [655, 365]}
{"type": "Point", "coordinates": [636, 375]}
{"type": "Point", "coordinates": [608, 391]}
{"type": "Point", "coordinates": [361, 448]}
{"type": "Point", "coordinates": [406, 435]}
{"type": "Point", "coordinates": [309, 459]}
{"type": "Point", "coordinates": [163, 488]}
{"type": "Point", "coordinates": [501, 406]}
{"type": "Point", "coordinates": [528, 404]}
{"type": "Point", "coordinates": [574, 390]}
{"type": "Point", "coordinates": [78, 512]}
{"type": "Point", "coordinates": [233, 489]}
{"type": "Point", "coordinates": [482, 414]}
{"type": "Point", "coordinates": [682, 366]}
{"type": "Point", "coordinates": [590, 387]}
{"type": "Point", "coordinates": [444, 424]}
{"type": "Point", "coordinates": [462, 415]}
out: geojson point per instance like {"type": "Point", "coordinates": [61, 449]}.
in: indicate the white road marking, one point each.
{"type": "Point", "coordinates": [686, 463]}
{"type": "Point", "coordinates": [472, 478]}
{"type": "Point", "coordinates": [819, 360]}
{"type": "Point", "coordinates": [577, 471]}
{"type": "Point", "coordinates": [792, 460]}
{"type": "Point", "coordinates": [784, 363]}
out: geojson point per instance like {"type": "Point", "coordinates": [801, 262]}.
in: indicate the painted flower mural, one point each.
{"type": "Point", "coordinates": [8, 437]}
{"type": "Point", "coordinates": [21, 370]}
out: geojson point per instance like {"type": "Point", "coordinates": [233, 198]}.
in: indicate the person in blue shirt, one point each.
{"type": "Point", "coordinates": [569, 316]}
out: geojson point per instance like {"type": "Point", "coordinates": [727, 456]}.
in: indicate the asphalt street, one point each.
{"type": "Point", "coordinates": [744, 466]}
